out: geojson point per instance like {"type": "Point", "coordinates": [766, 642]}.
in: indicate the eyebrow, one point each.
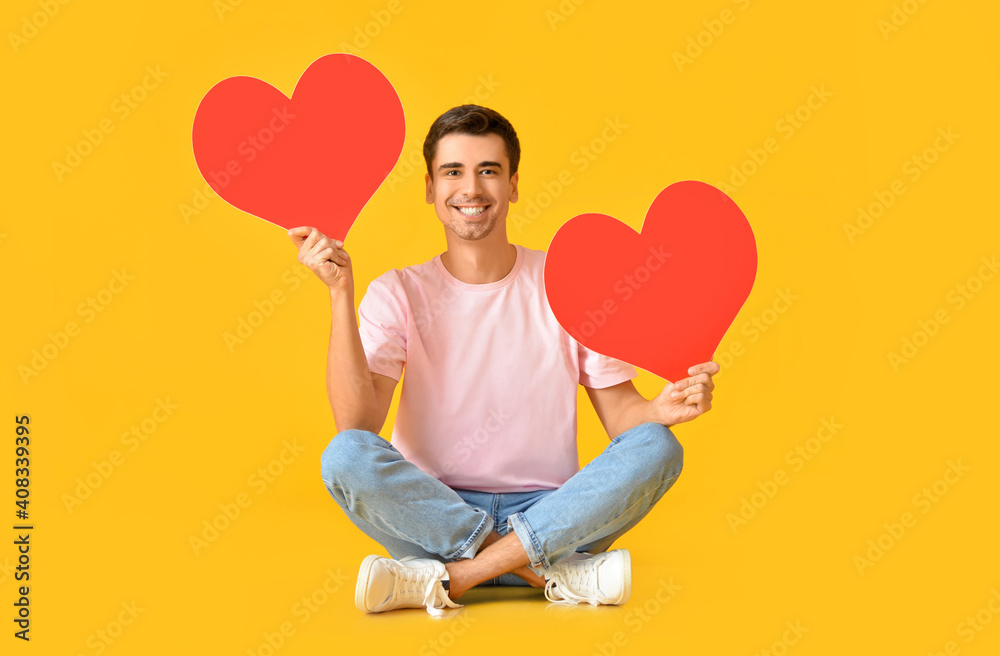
{"type": "Point", "coordinates": [459, 165]}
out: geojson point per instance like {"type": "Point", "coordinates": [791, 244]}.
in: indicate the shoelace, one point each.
{"type": "Point", "coordinates": [424, 585]}
{"type": "Point", "coordinates": [565, 584]}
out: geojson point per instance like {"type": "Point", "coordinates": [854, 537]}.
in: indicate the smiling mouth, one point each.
{"type": "Point", "coordinates": [471, 211]}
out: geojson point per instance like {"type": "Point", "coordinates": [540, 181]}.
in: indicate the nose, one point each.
{"type": "Point", "coordinates": [472, 185]}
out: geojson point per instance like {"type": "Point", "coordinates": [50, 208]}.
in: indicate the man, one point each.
{"type": "Point", "coordinates": [481, 482]}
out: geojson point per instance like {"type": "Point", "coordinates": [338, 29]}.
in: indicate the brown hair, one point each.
{"type": "Point", "coordinates": [475, 120]}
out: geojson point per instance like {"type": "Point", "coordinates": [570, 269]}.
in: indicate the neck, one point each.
{"type": "Point", "coordinates": [482, 261]}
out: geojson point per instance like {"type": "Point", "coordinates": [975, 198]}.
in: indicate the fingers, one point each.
{"type": "Point", "coordinates": [710, 368]}
{"type": "Point", "coordinates": [703, 380]}
{"type": "Point", "coordinates": [699, 402]}
{"type": "Point", "coordinates": [308, 236]}
{"type": "Point", "coordinates": [692, 395]}
{"type": "Point", "coordinates": [693, 390]}
{"type": "Point", "coordinates": [324, 245]}
{"type": "Point", "coordinates": [315, 248]}
{"type": "Point", "coordinates": [315, 237]}
{"type": "Point", "coordinates": [299, 234]}
{"type": "Point", "coordinates": [321, 254]}
{"type": "Point", "coordinates": [699, 399]}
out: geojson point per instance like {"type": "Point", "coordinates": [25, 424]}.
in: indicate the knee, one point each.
{"type": "Point", "coordinates": [342, 454]}
{"type": "Point", "coordinates": [664, 452]}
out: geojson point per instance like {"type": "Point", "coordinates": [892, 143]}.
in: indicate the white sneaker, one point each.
{"type": "Point", "coordinates": [387, 584]}
{"type": "Point", "coordinates": [583, 578]}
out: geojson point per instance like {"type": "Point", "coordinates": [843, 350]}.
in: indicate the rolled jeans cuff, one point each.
{"type": "Point", "coordinates": [539, 562]}
{"type": "Point", "coordinates": [471, 546]}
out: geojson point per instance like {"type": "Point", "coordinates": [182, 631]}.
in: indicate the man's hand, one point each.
{"type": "Point", "coordinates": [689, 397]}
{"type": "Point", "coordinates": [324, 256]}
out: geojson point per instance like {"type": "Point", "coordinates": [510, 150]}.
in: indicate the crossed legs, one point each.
{"type": "Point", "coordinates": [499, 555]}
{"type": "Point", "coordinates": [412, 513]}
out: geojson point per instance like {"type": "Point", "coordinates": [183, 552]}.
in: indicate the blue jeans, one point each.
{"type": "Point", "coordinates": [411, 513]}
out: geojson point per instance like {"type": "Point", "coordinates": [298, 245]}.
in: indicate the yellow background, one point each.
{"type": "Point", "coordinates": [824, 356]}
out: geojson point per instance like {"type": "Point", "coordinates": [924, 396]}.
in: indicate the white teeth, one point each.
{"type": "Point", "coordinates": [471, 211]}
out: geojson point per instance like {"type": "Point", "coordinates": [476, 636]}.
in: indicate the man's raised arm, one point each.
{"type": "Point", "coordinates": [358, 398]}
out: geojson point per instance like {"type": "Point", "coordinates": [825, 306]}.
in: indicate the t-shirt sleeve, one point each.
{"type": "Point", "coordinates": [382, 326]}
{"type": "Point", "coordinates": [598, 371]}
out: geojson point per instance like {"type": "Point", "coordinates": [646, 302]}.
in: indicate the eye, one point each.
{"type": "Point", "coordinates": [492, 171]}
{"type": "Point", "coordinates": [447, 173]}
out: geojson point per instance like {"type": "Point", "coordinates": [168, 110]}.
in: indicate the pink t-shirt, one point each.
{"type": "Point", "coordinates": [489, 396]}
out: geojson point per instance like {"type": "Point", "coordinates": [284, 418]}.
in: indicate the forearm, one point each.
{"type": "Point", "coordinates": [636, 410]}
{"type": "Point", "coordinates": [348, 380]}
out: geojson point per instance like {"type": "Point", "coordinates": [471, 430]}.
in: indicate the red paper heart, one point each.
{"type": "Point", "coordinates": [661, 299]}
{"type": "Point", "coordinates": [314, 159]}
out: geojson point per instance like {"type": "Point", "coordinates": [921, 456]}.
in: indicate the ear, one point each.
{"type": "Point", "coordinates": [513, 187]}
{"type": "Point", "coordinates": [430, 189]}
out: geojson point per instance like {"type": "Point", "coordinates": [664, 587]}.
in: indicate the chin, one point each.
{"type": "Point", "coordinates": [472, 235]}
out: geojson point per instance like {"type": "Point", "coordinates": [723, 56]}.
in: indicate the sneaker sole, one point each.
{"type": "Point", "coordinates": [362, 587]}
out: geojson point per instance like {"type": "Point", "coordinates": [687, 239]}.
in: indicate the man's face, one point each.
{"type": "Point", "coordinates": [470, 184]}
